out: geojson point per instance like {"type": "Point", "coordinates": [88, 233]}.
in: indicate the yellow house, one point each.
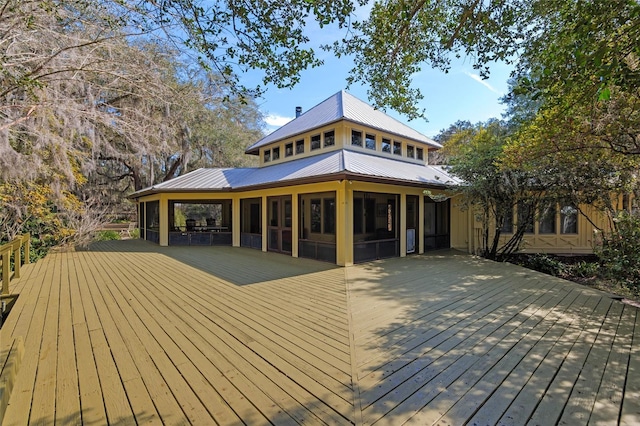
{"type": "Point", "coordinates": [343, 183]}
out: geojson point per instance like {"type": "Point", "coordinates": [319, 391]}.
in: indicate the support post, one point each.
{"type": "Point", "coordinates": [6, 271]}
{"type": "Point", "coordinates": [17, 259]}
{"type": "Point", "coordinates": [26, 238]}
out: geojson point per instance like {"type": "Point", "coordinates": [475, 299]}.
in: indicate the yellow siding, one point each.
{"type": "Point", "coordinates": [343, 193]}
{"type": "Point", "coordinates": [580, 243]}
{"type": "Point", "coordinates": [461, 235]}
{"type": "Point", "coordinates": [342, 131]}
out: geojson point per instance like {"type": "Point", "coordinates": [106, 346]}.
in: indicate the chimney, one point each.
{"type": "Point", "coordinates": [298, 111]}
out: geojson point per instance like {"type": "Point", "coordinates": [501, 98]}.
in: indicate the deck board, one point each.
{"type": "Point", "coordinates": [631, 400]}
{"type": "Point", "coordinates": [129, 332]}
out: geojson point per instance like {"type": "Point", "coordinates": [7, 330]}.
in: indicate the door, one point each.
{"type": "Point", "coordinates": [436, 224]}
{"type": "Point", "coordinates": [280, 222]}
{"type": "Point", "coordinates": [412, 223]}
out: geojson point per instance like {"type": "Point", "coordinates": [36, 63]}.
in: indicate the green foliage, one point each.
{"type": "Point", "coordinates": [135, 234]}
{"type": "Point", "coordinates": [588, 45]}
{"type": "Point", "coordinates": [546, 264]}
{"type": "Point", "coordinates": [490, 190]}
{"type": "Point", "coordinates": [107, 235]}
{"type": "Point", "coordinates": [268, 35]}
{"type": "Point", "coordinates": [585, 269]}
{"type": "Point", "coordinates": [36, 209]}
{"type": "Point", "coordinates": [619, 251]}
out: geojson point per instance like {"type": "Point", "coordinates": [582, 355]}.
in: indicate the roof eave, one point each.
{"type": "Point", "coordinates": [153, 191]}
{"type": "Point", "coordinates": [345, 175]}
{"type": "Point", "coordinates": [397, 182]}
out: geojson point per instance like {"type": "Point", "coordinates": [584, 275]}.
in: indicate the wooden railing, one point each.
{"type": "Point", "coordinates": [13, 249]}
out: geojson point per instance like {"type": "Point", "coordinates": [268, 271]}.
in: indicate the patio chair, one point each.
{"type": "Point", "coordinates": [127, 232]}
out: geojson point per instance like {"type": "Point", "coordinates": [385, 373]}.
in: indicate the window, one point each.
{"type": "Point", "coordinates": [315, 142]}
{"type": "Point", "coordinates": [410, 151]}
{"type": "Point", "coordinates": [525, 216]}
{"type": "Point", "coordinates": [358, 214]}
{"type": "Point", "coordinates": [267, 155]}
{"type": "Point", "coordinates": [356, 138]}
{"type": "Point", "coordinates": [300, 146]}
{"type": "Point", "coordinates": [386, 145]}
{"type": "Point", "coordinates": [568, 219]}
{"type": "Point", "coordinates": [288, 149]}
{"type": "Point", "coordinates": [316, 215]}
{"type": "Point", "coordinates": [370, 141]}
{"type": "Point", "coordinates": [420, 153]}
{"type": "Point", "coordinates": [275, 154]}
{"type": "Point", "coordinates": [397, 148]}
{"type": "Point", "coordinates": [547, 221]}
{"type": "Point", "coordinates": [507, 225]}
{"type": "Point", "coordinates": [329, 216]}
{"type": "Point", "coordinates": [329, 139]}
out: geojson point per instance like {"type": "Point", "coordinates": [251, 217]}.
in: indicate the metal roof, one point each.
{"type": "Point", "coordinates": [319, 168]}
{"type": "Point", "coordinates": [342, 106]}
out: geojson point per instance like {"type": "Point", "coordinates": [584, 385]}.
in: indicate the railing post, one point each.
{"type": "Point", "coordinates": [17, 258]}
{"type": "Point", "coordinates": [6, 272]}
{"type": "Point", "coordinates": [26, 238]}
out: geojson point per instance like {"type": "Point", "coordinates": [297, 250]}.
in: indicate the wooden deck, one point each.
{"type": "Point", "coordinates": [131, 333]}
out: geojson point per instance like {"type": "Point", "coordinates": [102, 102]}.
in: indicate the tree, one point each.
{"type": "Point", "coordinates": [268, 35]}
{"type": "Point", "coordinates": [492, 192]}
{"type": "Point", "coordinates": [92, 109]}
{"type": "Point", "coordinates": [440, 156]}
{"type": "Point", "coordinates": [590, 45]}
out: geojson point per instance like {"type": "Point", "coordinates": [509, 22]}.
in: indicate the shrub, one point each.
{"type": "Point", "coordinates": [135, 234]}
{"type": "Point", "coordinates": [542, 263]}
{"type": "Point", "coordinates": [107, 235]}
{"type": "Point", "coordinates": [547, 264]}
{"type": "Point", "coordinates": [619, 251]}
{"type": "Point", "coordinates": [585, 269]}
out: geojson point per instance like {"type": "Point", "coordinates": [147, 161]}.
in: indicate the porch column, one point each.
{"type": "Point", "coordinates": [403, 225]}
{"type": "Point", "coordinates": [295, 225]}
{"type": "Point", "coordinates": [235, 222]}
{"type": "Point", "coordinates": [421, 224]}
{"type": "Point", "coordinates": [344, 224]}
{"type": "Point", "coordinates": [265, 222]}
{"type": "Point", "coordinates": [164, 220]}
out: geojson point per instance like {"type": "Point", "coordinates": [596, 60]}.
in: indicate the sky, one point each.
{"type": "Point", "coordinates": [459, 94]}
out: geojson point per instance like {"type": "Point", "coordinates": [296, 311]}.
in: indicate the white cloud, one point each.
{"type": "Point", "coordinates": [485, 83]}
{"type": "Point", "coordinates": [275, 120]}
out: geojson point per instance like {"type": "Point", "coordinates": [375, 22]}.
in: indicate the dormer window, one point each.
{"type": "Point", "coordinates": [370, 142]}
{"type": "Point", "coordinates": [386, 145]}
{"type": "Point", "coordinates": [397, 148]}
{"type": "Point", "coordinates": [300, 146]}
{"type": "Point", "coordinates": [267, 155]}
{"type": "Point", "coordinates": [329, 139]}
{"type": "Point", "coordinates": [356, 138]}
{"type": "Point", "coordinates": [315, 142]}
{"type": "Point", "coordinates": [288, 149]}
{"type": "Point", "coordinates": [410, 151]}
{"type": "Point", "coordinates": [275, 155]}
{"type": "Point", "coordinates": [420, 153]}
